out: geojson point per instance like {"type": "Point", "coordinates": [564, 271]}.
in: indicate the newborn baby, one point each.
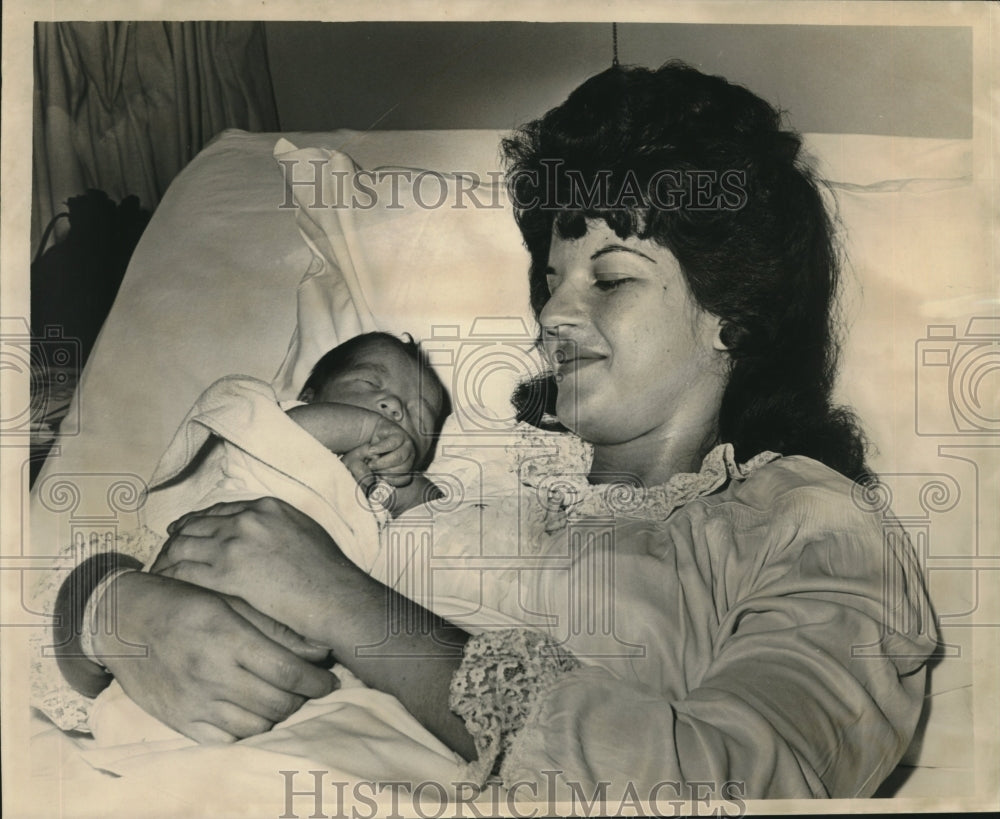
{"type": "Point", "coordinates": [376, 402]}
{"type": "Point", "coordinates": [373, 401]}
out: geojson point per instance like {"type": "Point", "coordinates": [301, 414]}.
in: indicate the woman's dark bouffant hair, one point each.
{"type": "Point", "coordinates": [756, 249]}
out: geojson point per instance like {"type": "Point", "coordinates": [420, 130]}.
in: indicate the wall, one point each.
{"type": "Point", "coordinates": [844, 79]}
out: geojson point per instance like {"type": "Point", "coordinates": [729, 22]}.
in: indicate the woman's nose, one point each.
{"type": "Point", "coordinates": [560, 318]}
{"type": "Point", "coordinates": [562, 311]}
{"type": "Point", "coordinates": [563, 315]}
{"type": "Point", "coordinates": [391, 407]}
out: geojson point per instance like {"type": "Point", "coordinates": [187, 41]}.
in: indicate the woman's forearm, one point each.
{"type": "Point", "coordinates": [399, 647]}
{"type": "Point", "coordinates": [79, 671]}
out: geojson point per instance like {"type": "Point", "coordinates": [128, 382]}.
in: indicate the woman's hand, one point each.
{"type": "Point", "coordinates": [214, 669]}
{"type": "Point", "coordinates": [268, 553]}
{"type": "Point", "coordinates": [285, 564]}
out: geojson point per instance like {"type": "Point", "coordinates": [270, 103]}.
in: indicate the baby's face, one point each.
{"type": "Point", "coordinates": [384, 379]}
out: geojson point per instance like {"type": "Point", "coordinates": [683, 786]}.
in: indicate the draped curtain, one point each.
{"type": "Point", "coordinates": [123, 106]}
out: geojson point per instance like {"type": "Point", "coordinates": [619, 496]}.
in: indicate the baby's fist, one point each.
{"type": "Point", "coordinates": [392, 453]}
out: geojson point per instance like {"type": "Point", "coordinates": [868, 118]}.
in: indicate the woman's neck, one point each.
{"type": "Point", "coordinates": [653, 458]}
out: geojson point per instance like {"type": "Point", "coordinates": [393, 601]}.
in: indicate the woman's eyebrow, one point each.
{"type": "Point", "coordinates": [620, 249]}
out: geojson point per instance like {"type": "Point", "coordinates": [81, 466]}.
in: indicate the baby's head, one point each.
{"type": "Point", "coordinates": [382, 373]}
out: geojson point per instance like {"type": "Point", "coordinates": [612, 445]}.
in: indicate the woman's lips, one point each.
{"type": "Point", "coordinates": [575, 363]}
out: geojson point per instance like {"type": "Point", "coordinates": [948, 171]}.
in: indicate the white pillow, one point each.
{"type": "Point", "coordinates": [403, 250]}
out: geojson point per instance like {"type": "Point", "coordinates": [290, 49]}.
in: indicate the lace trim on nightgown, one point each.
{"type": "Point", "coordinates": [564, 491]}
{"type": "Point", "coordinates": [503, 673]}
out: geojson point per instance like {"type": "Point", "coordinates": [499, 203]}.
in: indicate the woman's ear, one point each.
{"type": "Point", "coordinates": [717, 343]}
{"type": "Point", "coordinates": [307, 395]}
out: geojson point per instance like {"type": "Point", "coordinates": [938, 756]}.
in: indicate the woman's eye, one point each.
{"type": "Point", "coordinates": [607, 285]}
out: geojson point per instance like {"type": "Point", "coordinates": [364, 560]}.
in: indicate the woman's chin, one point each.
{"type": "Point", "coordinates": [597, 428]}
{"type": "Point", "coordinates": [590, 429]}
{"type": "Point", "coordinates": [579, 417]}
{"type": "Point", "coordinates": [568, 412]}
{"type": "Point", "coordinates": [584, 415]}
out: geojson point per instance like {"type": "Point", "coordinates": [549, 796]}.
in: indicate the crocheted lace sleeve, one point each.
{"type": "Point", "coordinates": [502, 675]}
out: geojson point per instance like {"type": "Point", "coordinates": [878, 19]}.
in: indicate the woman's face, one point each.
{"type": "Point", "coordinates": [635, 357]}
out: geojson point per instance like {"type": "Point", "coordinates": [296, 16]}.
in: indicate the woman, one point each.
{"type": "Point", "coordinates": [683, 275]}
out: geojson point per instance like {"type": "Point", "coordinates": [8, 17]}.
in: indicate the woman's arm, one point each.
{"type": "Point", "coordinates": [64, 679]}
{"type": "Point", "coordinates": [214, 668]}
{"type": "Point", "coordinates": [208, 666]}
{"type": "Point", "coordinates": [814, 631]}
{"type": "Point", "coordinates": [290, 568]}
{"type": "Point", "coordinates": [79, 671]}
{"type": "Point", "coordinates": [396, 646]}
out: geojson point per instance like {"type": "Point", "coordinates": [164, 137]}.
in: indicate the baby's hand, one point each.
{"type": "Point", "coordinates": [357, 462]}
{"type": "Point", "coordinates": [391, 453]}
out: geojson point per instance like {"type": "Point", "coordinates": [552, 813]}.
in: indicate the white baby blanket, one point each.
{"type": "Point", "coordinates": [257, 451]}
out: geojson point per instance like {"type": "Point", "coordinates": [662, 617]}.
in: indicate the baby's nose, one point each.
{"type": "Point", "coordinates": [391, 407]}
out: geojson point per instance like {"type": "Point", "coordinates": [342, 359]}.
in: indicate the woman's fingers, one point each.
{"type": "Point", "coordinates": [268, 653]}
{"type": "Point", "coordinates": [206, 733]}
{"type": "Point", "coordinates": [280, 633]}
{"type": "Point", "coordinates": [199, 537]}
{"type": "Point", "coordinates": [237, 721]}
{"type": "Point", "coordinates": [199, 525]}
{"type": "Point", "coordinates": [218, 510]}
{"type": "Point", "coordinates": [203, 652]}
{"type": "Point", "coordinates": [197, 573]}
{"type": "Point", "coordinates": [264, 700]}
{"type": "Point", "coordinates": [272, 555]}
{"type": "Point", "coordinates": [283, 669]}
{"type": "Point", "coordinates": [181, 549]}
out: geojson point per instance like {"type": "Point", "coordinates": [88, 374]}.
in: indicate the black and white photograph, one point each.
{"type": "Point", "coordinates": [499, 409]}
